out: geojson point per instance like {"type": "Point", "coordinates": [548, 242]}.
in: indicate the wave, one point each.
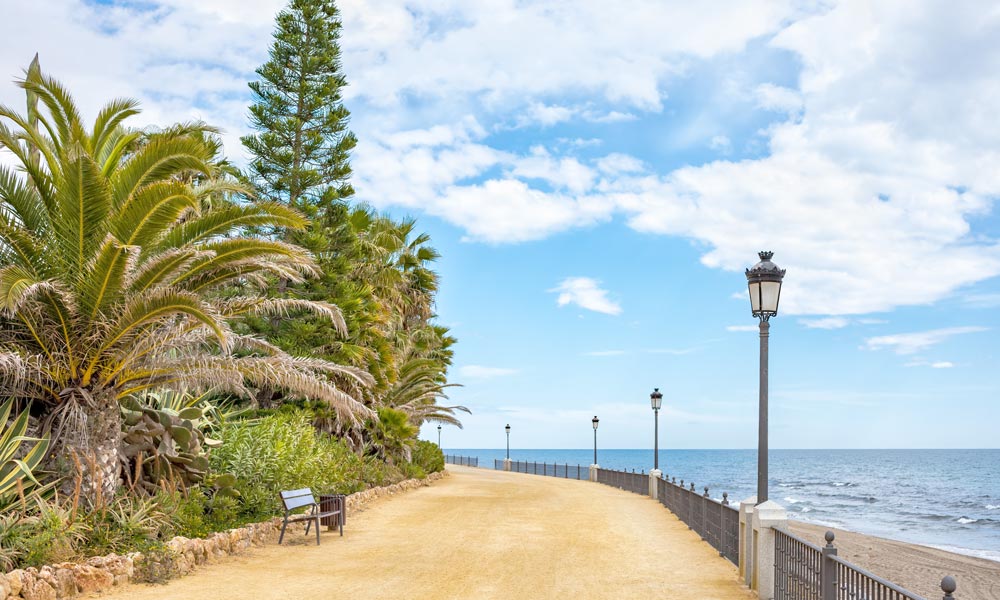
{"type": "Point", "coordinates": [987, 554]}
{"type": "Point", "coordinates": [966, 520]}
{"type": "Point", "coordinates": [791, 500]}
{"type": "Point", "coordinates": [992, 507]}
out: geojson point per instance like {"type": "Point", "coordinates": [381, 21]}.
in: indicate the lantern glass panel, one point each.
{"type": "Point", "coordinates": [754, 296]}
{"type": "Point", "coordinates": [769, 292]}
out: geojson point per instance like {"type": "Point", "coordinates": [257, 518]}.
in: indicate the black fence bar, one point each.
{"type": "Point", "coordinates": [803, 571]}
{"type": "Point", "coordinates": [563, 471]}
{"type": "Point", "coordinates": [465, 461]}
{"type": "Point", "coordinates": [797, 565]}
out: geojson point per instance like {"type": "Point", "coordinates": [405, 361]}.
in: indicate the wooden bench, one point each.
{"type": "Point", "coordinates": [296, 499]}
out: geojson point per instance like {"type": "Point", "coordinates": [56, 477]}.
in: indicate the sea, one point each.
{"type": "Point", "coordinates": [947, 499]}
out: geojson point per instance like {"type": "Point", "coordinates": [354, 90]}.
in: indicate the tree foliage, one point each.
{"type": "Point", "coordinates": [125, 263]}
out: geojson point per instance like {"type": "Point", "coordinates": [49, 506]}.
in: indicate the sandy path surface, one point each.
{"type": "Point", "coordinates": [918, 569]}
{"type": "Point", "coordinates": [479, 534]}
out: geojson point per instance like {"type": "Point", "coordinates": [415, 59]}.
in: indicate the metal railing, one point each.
{"type": "Point", "coordinates": [803, 571]}
{"type": "Point", "coordinates": [465, 461]}
{"type": "Point", "coordinates": [565, 470]}
{"type": "Point", "coordinates": [637, 483]}
{"type": "Point", "coordinates": [715, 521]}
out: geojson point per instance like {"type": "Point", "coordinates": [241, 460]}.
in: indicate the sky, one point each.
{"type": "Point", "coordinates": [598, 175]}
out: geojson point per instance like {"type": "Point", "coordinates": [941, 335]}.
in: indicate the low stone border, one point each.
{"type": "Point", "coordinates": [65, 580]}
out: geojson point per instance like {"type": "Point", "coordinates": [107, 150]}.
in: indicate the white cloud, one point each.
{"type": "Point", "coordinates": [500, 51]}
{"type": "Point", "coordinates": [480, 372]}
{"type": "Point", "coordinates": [774, 97]}
{"type": "Point", "coordinates": [617, 163]}
{"type": "Point", "coordinates": [721, 144]}
{"type": "Point", "coordinates": [586, 293]}
{"type": "Point", "coordinates": [863, 200]}
{"type": "Point", "coordinates": [826, 323]}
{"type": "Point", "coordinates": [934, 365]}
{"type": "Point", "coordinates": [742, 328]}
{"type": "Point", "coordinates": [546, 115]}
{"type": "Point", "coordinates": [911, 343]}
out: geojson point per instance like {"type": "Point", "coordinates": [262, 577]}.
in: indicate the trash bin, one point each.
{"type": "Point", "coordinates": [328, 502]}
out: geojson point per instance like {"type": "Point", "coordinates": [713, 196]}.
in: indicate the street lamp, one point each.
{"type": "Point", "coordinates": [595, 421]}
{"type": "Point", "coordinates": [439, 436]}
{"type": "Point", "coordinates": [656, 400]}
{"type": "Point", "coordinates": [764, 283]}
{"type": "Point", "coordinates": [507, 428]}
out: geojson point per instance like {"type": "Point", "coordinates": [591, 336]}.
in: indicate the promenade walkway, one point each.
{"type": "Point", "coordinates": [480, 534]}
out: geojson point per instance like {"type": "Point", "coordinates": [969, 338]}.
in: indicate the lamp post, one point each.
{"type": "Point", "coordinates": [595, 421]}
{"type": "Point", "coordinates": [656, 400]}
{"type": "Point", "coordinates": [439, 436]}
{"type": "Point", "coordinates": [507, 428]}
{"type": "Point", "coordinates": [764, 283]}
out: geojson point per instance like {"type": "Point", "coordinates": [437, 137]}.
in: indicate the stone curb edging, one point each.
{"type": "Point", "coordinates": [66, 580]}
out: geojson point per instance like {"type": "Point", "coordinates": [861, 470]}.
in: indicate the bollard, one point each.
{"type": "Point", "coordinates": [948, 585]}
{"type": "Point", "coordinates": [828, 570]}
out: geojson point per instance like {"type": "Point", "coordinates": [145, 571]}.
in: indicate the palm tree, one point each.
{"type": "Point", "coordinates": [124, 262]}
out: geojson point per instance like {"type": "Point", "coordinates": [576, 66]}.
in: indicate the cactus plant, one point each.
{"type": "Point", "coordinates": [164, 445]}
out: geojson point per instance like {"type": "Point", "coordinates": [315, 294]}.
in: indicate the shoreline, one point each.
{"type": "Point", "coordinates": [915, 567]}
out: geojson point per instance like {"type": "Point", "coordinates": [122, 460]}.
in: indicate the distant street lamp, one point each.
{"type": "Point", "coordinates": [508, 440]}
{"type": "Point", "coordinates": [656, 400]}
{"type": "Point", "coordinates": [764, 283]}
{"type": "Point", "coordinates": [439, 436]}
{"type": "Point", "coordinates": [595, 421]}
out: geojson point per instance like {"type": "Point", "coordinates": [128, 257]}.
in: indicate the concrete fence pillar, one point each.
{"type": "Point", "coordinates": [746, 536]}
{"type": "Point", "coordinates": [654, 484]}
{"type": "Point", "coordinates": [506, 464]}
{"type": "Point", "coordinates": [767, 517]}
{"type": "Point", "coordinates": [593, 472]}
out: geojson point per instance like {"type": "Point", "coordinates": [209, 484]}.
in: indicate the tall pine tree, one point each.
{"type": "Point", "coordinates": [302, 145]}
{"type": "Point", "coordinates": [300, 157]}
{"type": "Point", "coordinates": [375, 269]}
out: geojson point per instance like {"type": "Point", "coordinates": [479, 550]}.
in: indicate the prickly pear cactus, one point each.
{"type": "Point", "coordinates": [164, 445]}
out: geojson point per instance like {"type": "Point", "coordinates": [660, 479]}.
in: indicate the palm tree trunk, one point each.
{"type": "Point", "coordinates": [86, 446]}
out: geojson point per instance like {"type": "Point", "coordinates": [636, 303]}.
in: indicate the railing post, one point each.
{"type": "Point", "coordinates": [746, 539]}
{"type": "Point", "coordinates": [692, 497]}
{"type": "Point", "coordinates": [767, 517]}
{"type": "Point", "coordinates": [723, 538]}
{"type": "Point", "coordinates": [948, 586]}
{"type": "Point", "coordinates": [654, 484]}
{"type": "Point", "coordinates": [828, 570]}
{"type": "Point", "coordinates": [705, 534]}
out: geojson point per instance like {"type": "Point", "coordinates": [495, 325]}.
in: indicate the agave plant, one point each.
{"type": "Point", "coordinates": [17, 479]}
{"type": "Point", "coordinates": [115, 249]}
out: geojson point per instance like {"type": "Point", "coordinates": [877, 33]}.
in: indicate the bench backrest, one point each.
{"type": "Point", "coordinates": [297, 498]}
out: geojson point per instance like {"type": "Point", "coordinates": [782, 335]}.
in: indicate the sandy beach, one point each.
{"type": "Point", "coordinates": [917, 568]}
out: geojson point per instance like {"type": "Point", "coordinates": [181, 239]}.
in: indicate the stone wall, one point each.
{"type": "Point", "coordinates": [65, 580]}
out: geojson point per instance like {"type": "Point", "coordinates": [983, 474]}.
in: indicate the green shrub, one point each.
{"type": "Point", "coordinates": [46, 535]}
{"type": "Point", "coordinates": [127, 524]}
{"type": "Point", "coordinates": [283, 451]}
{"type": "Point", "coordinates": [429, 456]}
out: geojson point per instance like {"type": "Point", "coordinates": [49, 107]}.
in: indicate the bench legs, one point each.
{"type": "Point", "coordinates": [309, 524]}
{"type": "Point", "coordinates": [283, 525]}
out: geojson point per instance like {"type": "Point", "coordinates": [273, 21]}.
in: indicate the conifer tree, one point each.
{"type": "Point", "coordinates": [302, 145]}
